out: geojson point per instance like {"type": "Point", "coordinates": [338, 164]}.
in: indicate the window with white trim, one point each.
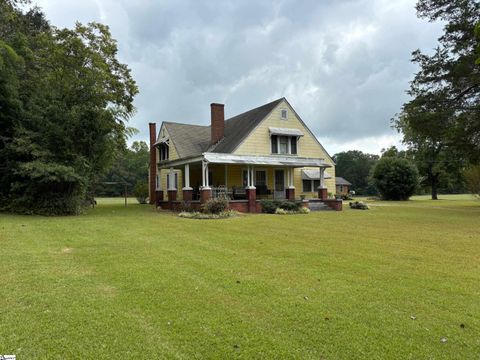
{"type": "Point", "coordinates": [175, 177]}
{"type": "Point", "coordinates": [164, 151]}
{"type": "Point", "coordinates": [284, 114]}
{"type": "Point", "coordinates": [281, 144]}
{"type": "Point", "coordinates": [310, 185]}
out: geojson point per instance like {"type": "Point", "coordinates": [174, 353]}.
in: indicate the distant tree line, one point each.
{"type": "Point", "coordinates": [130, 167]}
{"type": "Point", "coordinates": [358, 168]}
{"type": "Point", "coordinates": [65, 101]}
{"type": "Point", "coordinates": [441, 123]}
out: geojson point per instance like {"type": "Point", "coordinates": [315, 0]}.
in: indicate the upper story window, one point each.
{"type": "Point", "coordinates": [284, 114]}
{"type": "Point", "coordinates": [164, 152]}
{"type": "Point", "coordinates": [284, 144]}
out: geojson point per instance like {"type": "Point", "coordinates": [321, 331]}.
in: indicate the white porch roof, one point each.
{"type": "Point", "coordinates": [314, 174]}
{"type": "Point", "coordinates": [291, 161]}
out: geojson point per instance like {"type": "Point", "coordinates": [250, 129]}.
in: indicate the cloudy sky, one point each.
{"type": "Point", "coordinates": [344, 65]}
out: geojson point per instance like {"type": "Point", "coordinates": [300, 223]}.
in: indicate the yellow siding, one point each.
{"type": "Point", "coordinates": [173, 155]}
{"type": "Point", "coordinates": [258, 143]}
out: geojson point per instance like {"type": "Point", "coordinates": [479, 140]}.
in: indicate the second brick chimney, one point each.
{"type": "Point", "coordinates": [153, 163]}
{"type": "Point", "coordinates": [218, 122]}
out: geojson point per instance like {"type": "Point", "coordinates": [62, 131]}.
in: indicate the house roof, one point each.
{"type": "Point", "coordinates": [341, 181]}
{"type": "Point", "coordinates": [192, 140]}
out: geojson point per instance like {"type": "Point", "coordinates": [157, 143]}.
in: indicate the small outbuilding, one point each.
{"type": "Point", "coordinates": [342, 186]}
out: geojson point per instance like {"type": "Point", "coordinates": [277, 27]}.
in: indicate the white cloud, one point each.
{"type": "Point", "coordinates": [343, 65]}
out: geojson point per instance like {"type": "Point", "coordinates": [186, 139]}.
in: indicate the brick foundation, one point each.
{"type": "Point", "coordinates": [322, 193]}
{"type": "Point", "coordinates": [252, 199]}
{"type": "Point", "coordinates": [152, 178]}
{"type": "Point", "coordinates": [205, 195]}
{"type": "Point", "coordinates": [334, 204]}
{"type": "Point", "coordinates": [172, 196]}
{"type": "Point", "coordinates": [158, 196]}
{"type": "Point", "coordinates": [290, 193]}
{"type": "Point", "coordinates": [238, 205]}
{"type": "Point", "coordinates": [187, 194]}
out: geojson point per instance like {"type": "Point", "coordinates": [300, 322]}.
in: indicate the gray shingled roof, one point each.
{"type": "Point", "coordinates": [193, 140]}
{"type": "Point", "coordinates": [341, 181]}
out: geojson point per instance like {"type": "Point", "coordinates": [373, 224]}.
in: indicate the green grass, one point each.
{"type": "Point", "coordinates": [128, 282]}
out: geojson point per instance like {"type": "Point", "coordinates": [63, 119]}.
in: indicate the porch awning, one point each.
{"type": "Point", "coordinates": [292, 161]}
{"type": "Point", "coordinates": [314, 174]}
{"type": "Point", "coordinates": [284, 131]}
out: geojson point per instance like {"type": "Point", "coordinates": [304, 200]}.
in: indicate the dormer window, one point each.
{"type": "Point", "coordinates": [284, 144]}
{"type": "Point", "coordinates": [164, 152]}
{"type": "Point", "coordinates": [284, 114]}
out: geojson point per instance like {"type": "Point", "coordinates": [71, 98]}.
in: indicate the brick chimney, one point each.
{"type": "Point", "coordinates": [153, 163]}
{"type": "Point", "coordinates": [218, 122]}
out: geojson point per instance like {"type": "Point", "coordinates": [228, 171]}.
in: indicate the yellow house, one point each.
{"type": "Point", "coordinates": [264, 153]}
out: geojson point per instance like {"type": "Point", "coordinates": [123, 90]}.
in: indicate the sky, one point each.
{"type": "Point", "coordinates": [343, 65]}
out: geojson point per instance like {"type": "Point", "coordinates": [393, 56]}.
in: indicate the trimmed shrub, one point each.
{"type": "Point", "coordinates": [358, 205]}
{"type": "Point", "coordinates": [302, 210]}
{"type": "Point", "coordinates": [290, 205]}
{"type": "Point", "coordinates": [343, 196]}
{"type": "Point", "coordinates": [269, 206]}
{"type": "Point", "coordinates": [395, 178]}
{"type": "Point", "coordinates": [215, 205]}
{"type": "Point", "coordinates": [141, 192]}
{"type": "Point", "coordinates": [200, 215]}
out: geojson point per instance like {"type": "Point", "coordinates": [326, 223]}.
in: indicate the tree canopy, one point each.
{"type": "Point", "coordinates": [355, 166]}
{"type": "Point", "coordinates": [395, 178]}
{"type": "Point", "coordinates": [65, 101]}
{"type": "Point", "coordinates": [441, 123]}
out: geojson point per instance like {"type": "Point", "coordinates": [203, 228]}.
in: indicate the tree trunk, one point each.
{"type": "Point", "coordinates": [434, 188]}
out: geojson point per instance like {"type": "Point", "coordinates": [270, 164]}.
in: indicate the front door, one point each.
{"type": "Point", "coordinates": [279, 191]}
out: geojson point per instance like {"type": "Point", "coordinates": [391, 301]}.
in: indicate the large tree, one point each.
{"type": "Point", "coordinates": [71, 101]}
{"type": "Point", "coordinates": [443, 117]}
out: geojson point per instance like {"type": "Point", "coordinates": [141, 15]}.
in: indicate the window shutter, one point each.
{"type": "Point", "coordinates": [274, 144]}
{"type": "Point", "coordinates": [293, 145]}
{"type": "Point", "coordinates": [168, 181]}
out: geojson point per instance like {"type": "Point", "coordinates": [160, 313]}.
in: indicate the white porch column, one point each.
{"type": "Point", "coordinates": [322, 178]}
{"type": "Point", "coordinates": [252, 177]}
{"type": "Point", "coordinates": [226, 176]}
{"type": "Point", "coordinates": [290, 178]}
{"type": "Point", "coordinates": [187, 177]}
{"type": "Point", "coordinates": [207, 180]}
{"type": "Point", "coordinates": [172, 180]}
{"type": "Point", "coordinates": [248, 176]}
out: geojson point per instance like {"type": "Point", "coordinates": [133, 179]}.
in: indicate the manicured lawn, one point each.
{"type": "Point", "coordinates": [120, 283]}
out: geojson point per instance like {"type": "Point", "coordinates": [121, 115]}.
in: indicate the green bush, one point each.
{"type": "Point", "coordinates": [395, 178]}
{"type": "Point", "coordinates": [358, 205]}
{"type": "Point", "coordinates": [269, 206]}
{"type": "Point", "coordinates": [141, 192]}
{"type": "Point", "coordinates": [200, 215]}
{"type": "Point", "coordinates": [290, 205]}
{"type": "Point", "coordinates": [301, 210]}
{"type": "Point", "coordinates": [215, 205]}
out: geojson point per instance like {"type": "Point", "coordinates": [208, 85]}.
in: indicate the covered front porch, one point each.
{"type": "Point", "coordinates": [243, 179]}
